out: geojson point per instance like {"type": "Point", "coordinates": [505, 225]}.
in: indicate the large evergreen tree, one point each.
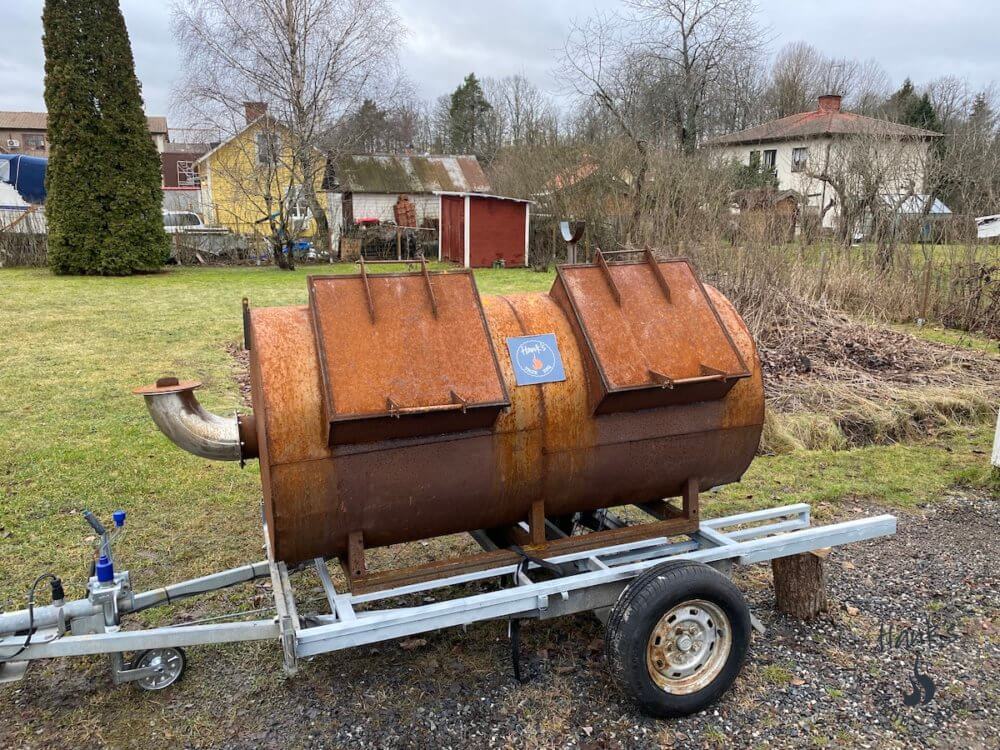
{"type": "Point", "coordinates": [104, 195]}
{"type": "Point", "coordinates": [74, 177]}
{"type": "Point", "coordinates": [468, 117]}
{"type": "Point", "coordinates": [908, 107]}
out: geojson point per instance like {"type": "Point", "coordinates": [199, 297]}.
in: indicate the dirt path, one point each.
{"type": "Point", "coordinates": [822, 684]}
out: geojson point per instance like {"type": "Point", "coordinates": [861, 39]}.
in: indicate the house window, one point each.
{"type": "Point", "coordinates": [268, 148]}
{"type": "Point", "coordinates": [770, 158]}
{"type": "Point", "coordinates": [296, 205]}
{"type": "Point", "coordinates": [33, 141]}
{"type": "Point", "coordinates": [800, 156]}
{"type": "Point", "coordinates": [754, 159]}
{"type": "Point", "coordinates": [187, 176]}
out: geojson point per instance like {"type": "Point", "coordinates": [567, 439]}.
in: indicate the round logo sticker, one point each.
{"type": "Point", "coordinates": [535, 358]}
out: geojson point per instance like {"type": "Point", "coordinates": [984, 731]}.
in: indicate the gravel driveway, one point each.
{"type": "Point", "coordinates": [934, 589]}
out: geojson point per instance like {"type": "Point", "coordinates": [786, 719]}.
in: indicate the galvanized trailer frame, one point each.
{"type": "Point", "coordinates": [590, 580]}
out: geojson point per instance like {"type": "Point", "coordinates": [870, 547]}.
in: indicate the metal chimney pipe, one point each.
{"type": "Point", "coordinates": [176, 411]}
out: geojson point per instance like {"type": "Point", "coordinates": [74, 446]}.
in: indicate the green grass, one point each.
{"type": "Point", "coordinates": [776, 674]}
{"type": "Point", "coordinates": [952, 337]}
{"type": "Point", "coordinates": [903, 475]}
{"type": "Point", "coordinates": [72, 436]}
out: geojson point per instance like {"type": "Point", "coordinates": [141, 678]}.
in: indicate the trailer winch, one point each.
{"type": "Point", "coordinates": [398, 407]}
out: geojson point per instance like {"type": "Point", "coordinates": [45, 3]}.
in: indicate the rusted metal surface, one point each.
{"type": "Point", "coordinates": [546, 454]}
{"type": "Point", "coordinates": [418, 363]}
{"type": "Point", "coordinates": [653, 335]}
{"type": "Point", "coordinates": [394, 414]}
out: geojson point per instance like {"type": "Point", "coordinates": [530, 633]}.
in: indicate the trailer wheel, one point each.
{"type": "Point", "coordinates": [677, 638]}
{"type": "Point", "coordinates": [169, 661]}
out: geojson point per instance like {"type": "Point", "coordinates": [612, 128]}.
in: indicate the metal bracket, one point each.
{"type": "Point", "coordinates": [12, 671]}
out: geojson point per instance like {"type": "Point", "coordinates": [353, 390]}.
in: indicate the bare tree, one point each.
{"type": "Point", "coordinates": [794, 73]}
{"type": "Point", "coordinates": [309, 61]}
{"type": "Point", "coordinates": [523, 114]}
{"type": "Point", "coordinates": [800, 73]}
{"type": "Point", "coordinates": [600, 65]}
{"type": "Point", "coordinates": [653, 70]}
{"type": "Point", "coordinates": [695, 41]}
{"type": "Point", "coordinates": [951, 100]}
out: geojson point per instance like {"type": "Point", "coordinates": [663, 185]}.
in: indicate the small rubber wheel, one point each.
{"type": "Point", "coordinates": [677, 638]}
{"type": "Point", "coordinates": [169, 663]}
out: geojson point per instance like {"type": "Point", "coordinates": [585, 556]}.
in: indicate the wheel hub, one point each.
{"type": "Point", "coordinates": [688, 646]}
{"type": "Point", "coordinates": [168, 664]}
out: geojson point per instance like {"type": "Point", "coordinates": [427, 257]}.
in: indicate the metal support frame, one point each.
{"type": "Point", "coordinates": [593, 580]}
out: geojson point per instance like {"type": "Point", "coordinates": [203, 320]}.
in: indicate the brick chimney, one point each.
{"type": "Point", "coordinates": [253, 110]}
{"type": "Point", "coordinates": [829, 103]}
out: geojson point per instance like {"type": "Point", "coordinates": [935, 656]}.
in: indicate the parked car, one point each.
{"type": "Point", "coordinates": [178, 222]}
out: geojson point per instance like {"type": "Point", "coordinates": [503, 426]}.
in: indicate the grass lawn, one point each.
{"type": "Point", "coordinates": [952, 337]}
{"type": "Point", "coordinates": [72, 436]}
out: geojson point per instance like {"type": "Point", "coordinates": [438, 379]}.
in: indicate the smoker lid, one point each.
{"type": "Point", "coordinates": [404, 354]}
{"type": "Point", "coordinates": [650, 327]}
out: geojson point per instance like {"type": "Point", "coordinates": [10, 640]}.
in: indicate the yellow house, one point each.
{"type": "Point", "coordinates": [254, 175]}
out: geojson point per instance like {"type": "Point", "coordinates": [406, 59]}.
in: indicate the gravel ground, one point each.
{"type": "Point", "coordinates": [825, 683]}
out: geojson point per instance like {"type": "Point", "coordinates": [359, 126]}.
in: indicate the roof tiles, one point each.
{"type": "Point", "coordinates": [820, 122]}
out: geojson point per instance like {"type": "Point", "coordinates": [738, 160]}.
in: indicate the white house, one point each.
{"type": "Point", "coordinates": [801, 146]}
{"type": "Point", "coordinates": [367, 186]}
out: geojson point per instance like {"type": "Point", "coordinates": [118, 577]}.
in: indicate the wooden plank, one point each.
{"type": "Point", "coordinates": [484, 560]}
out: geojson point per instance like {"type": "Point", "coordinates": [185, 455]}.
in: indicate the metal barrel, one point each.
{"type": "Point", "coordinates": [393, 407]}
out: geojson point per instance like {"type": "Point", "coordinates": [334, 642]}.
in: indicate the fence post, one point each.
{"type": "Point", "coordinates": [995, 459]}
{"type": "Point", "coordinates": [927, 292]}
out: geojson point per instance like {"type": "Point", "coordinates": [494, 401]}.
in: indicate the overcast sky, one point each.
{"type": "Point", "coordinates": [446, 39]}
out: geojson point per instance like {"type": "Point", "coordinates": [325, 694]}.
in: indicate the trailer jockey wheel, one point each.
{"type": "Point", "coordinates": [169, 662]}
{"type": "Point", "coordinates": [677, 638]}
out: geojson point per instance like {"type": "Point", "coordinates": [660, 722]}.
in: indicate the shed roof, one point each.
{"type": "Point", "coordinates": [475, 194]}
{"type": "Point", "coordinates": [387, 173]}
{"type": "Point", "coordinates": [40, 121]}
{"type": "Point", "coordinates": [827, 120]}
{"type": "Point", "coordinates": [915, 204]}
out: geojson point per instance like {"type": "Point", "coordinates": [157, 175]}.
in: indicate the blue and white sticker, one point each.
{"type": "Point", "coordinates": [536, 359]}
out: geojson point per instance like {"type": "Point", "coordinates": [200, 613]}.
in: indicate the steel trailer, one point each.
{"type": "Point", "coordinates": [665, 599]}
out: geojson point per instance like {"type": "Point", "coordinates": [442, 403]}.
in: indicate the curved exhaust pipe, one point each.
{"type": "Point", "coordinates": [176, 411]}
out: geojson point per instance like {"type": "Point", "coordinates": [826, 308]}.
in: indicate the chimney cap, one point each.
{"type": "Point", "coordinates": [829, 103]}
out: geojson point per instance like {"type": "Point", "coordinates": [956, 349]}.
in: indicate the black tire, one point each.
{"type": "Point", "coordinates": [639, 610]}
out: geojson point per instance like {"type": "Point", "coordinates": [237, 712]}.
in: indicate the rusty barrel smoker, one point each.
{"type": "Point", "coordinates": [396, 407]}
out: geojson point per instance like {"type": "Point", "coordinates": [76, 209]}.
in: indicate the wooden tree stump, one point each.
{"type": "Point", "coordinates": [800, 584]}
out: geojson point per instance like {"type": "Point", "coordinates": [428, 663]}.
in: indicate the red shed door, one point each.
{"type": "Point", "coordinates": [453, 228]}
{"type": "Point", "coordinates": [496, 232]}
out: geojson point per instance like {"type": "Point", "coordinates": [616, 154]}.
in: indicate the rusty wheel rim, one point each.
{"type": "Point", "coordinates": [688, 647]}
